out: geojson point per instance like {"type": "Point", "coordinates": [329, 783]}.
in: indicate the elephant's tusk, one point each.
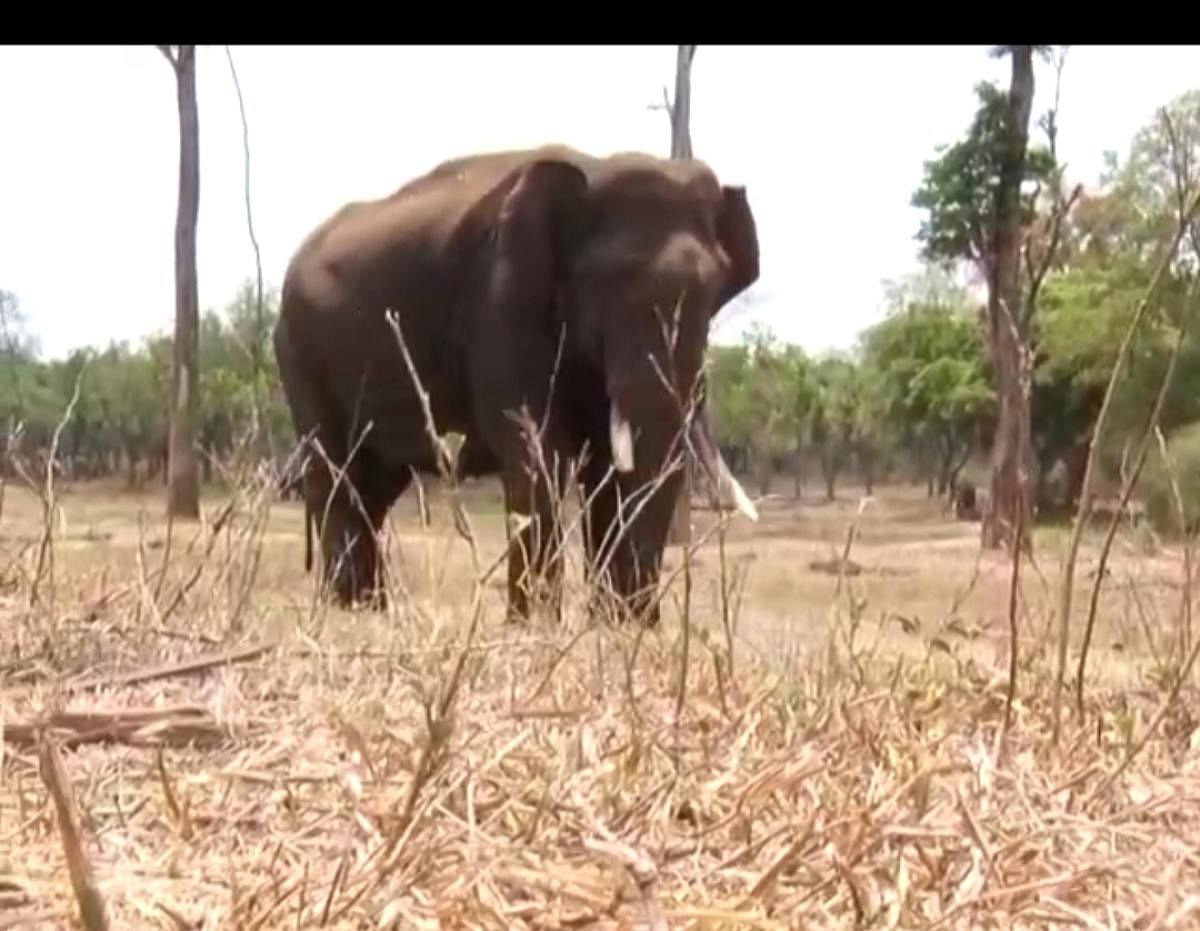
{"type": "Point", "coordinates": [734, 487]}
{"type": "Point", "coordinates": [620, 435]}
{"type": "Point", "coordinates": [718, 471]}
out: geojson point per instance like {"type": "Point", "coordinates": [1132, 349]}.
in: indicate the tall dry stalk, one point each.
{"type": "Point", "coordinates": [1083, 511]}
{"type": "Point", "coordinates": [47, 495]}
{"type": "Point", "coordinates": [261, 422]}
{"type": "Point", "coordinates": [1010, 697]}
{"type": "Point", "coordinates": [1127, 487]}
{"type": "Point", "coordinates": [93, 914]}
{"type": "Point", "coordinates": [1172, 697]}
{"type": "Point", "coordinates": [1187, 533]}
{"type": "Point", "coordinates": [440, 710]}
{"type": "Point", "coordinates": [9, 461]}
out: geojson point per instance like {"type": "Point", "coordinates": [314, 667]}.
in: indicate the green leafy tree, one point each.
{"type": "Point", "coordinates": [120, 424]}
{"type": "Point", "coordinates": [799, 394]}
{"type": "Point", "coordinates": [728, 399]}
{"type": "Point", "coordinates": [981, 197]}
{"type": "Point", "coordinates": [769, 408]}
{"type": "Point", "coordinates": [1162, 169]}
{"type": "Point", "coordinates": [1114, 240]}
{"type": "Point", "coordinates": [761, 394]}
{"type": "Point", "coordinates": [838, 427]}
{"type": "Point", "coordinates": [930, 368]}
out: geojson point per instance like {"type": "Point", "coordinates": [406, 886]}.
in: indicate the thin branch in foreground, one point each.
{"type": "Point", "coordinates": [1168, 701]}
{"type": "Point", "coordinates": [1013, 630]}
{"type": "Point", "coordinates": [1189, 540]}
{"type": "Point", "coordinates": [446, 461]}
{"type": "Point", "coordinates": [45, 559]}
{"type": "Point", "coordinates": [169, 670]}
{"type": "Point", "coordinates": [1127, 488]}
{"type": "Point", "coordinates": [91, 904]}
{"type": "Point", "coordinates": [256, 346]}
{"type": "Point", "coordinates": [1084, 509]}
{"type": "Point", "coordinates": [440, 717]}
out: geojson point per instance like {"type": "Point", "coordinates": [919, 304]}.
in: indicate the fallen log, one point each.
{"type": "Point", "coordinates": [138, 727]}
{"type": "Point", "coordinates": [201, 663]}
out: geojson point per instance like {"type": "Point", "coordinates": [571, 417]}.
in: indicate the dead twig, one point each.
{"type": "Point", "coordinates": [169, 670]}
{"type": "Point", "coordinates": [641, 868]}
{"type": "Point", "coordinates": [91, 904]}
{"type": "Point", "coordinates": [1068, 571]}
{"type": "Point", "coordinates": [174, 726]}
{"type": "Point", "coordinates": [1013, 628]}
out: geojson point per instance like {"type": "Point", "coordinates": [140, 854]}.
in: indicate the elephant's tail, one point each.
{"type": "Point", "coordinates": [308, 522]}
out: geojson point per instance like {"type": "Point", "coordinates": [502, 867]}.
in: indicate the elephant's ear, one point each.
{"type": "Point", "coordinates": [739, 238]}
{"type": "Point", "coordinates": [538, 226]}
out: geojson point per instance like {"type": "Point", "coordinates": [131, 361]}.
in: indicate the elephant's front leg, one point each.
{"type": "Point", "coordinates": [535, 555]}
{"type": "Point", "coordinates": [349, 515]}
{"type": "Point", "coordinates": [330, 507]}
{"type": "Point", "coordinates": [525, 427]}
{"type": "Point", "coordinates": [616, 576]}
{"type": "Point", "coordinates": [600, 529]}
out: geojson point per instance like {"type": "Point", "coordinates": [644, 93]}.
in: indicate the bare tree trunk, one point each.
{"type": "Point", "coordinates": [762, 464]}
{"type": "Point", "coordinates": [681, 106]}
{"type": "Point", "coordinates": [1012, 451]}
{"type": "Point", "coordinates": [867, 458]}
{"type": "Point", "coordinates": [1076, 463]}
{"type": "Point", "coordinates": [183, 489]}
{"type": "Point", "coordinates": [946, 471]}
{"type": "Point", "coordinates": [131, 468]}
{"type": "Point", "coordinates": [679, 110]}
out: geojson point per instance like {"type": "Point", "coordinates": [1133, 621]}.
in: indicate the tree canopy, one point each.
{"type": "Point", "coordinates": [120, 422]}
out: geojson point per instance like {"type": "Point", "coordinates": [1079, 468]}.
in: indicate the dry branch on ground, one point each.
{"type": "Point", "coordinates": [886, 808]}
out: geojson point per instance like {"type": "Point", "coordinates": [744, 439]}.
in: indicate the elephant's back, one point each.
{"type": "Point", "coordinates": [367, 251]}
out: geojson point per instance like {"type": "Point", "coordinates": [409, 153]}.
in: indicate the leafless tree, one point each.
{"type": "Point", "coordinates": [183, 486]}
{"type": "Point", "coordinates": [679, 111]}
{"type": "Point", "coordinates": [1012, 450]}
{"type": "Point", "coordinates": [681, 107]}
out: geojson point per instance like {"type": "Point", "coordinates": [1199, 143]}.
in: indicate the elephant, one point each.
{"type": "Point", "coordinates": [535, 281]}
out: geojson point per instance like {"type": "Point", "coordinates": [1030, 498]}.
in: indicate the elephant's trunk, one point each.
{"type": "Point", "coordinates": [648, 454]}
{"type": "Point", "coordinates": [641, 430]}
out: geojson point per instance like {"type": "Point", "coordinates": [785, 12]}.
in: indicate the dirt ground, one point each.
{"type": "Point", "coordinates": [230, 753]}
{"type": "Point", "coordinates": [915, 572]}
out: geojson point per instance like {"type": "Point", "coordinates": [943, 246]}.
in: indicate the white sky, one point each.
{"type": "Point", "coordinates": [829, 141]}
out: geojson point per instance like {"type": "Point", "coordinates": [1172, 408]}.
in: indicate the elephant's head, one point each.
{"type": "Point", "coordinates": [633, 256]}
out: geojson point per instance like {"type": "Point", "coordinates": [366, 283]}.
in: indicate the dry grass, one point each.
{"type": "Point", "coordinates": [842, 769]}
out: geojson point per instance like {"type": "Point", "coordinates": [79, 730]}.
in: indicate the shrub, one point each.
{"type": "Point", "coordinates": [1154, 489]}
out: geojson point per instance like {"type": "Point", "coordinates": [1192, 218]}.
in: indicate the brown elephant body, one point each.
{"type": "Point", "coordinates": [524, 280]}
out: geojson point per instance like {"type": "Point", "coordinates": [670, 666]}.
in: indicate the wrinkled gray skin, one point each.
{"type": "Point", "coordinates": [498, 265]}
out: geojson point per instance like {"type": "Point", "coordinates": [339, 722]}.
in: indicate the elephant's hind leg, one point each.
{"type": "Point", "coordinates": [378, 489]}
{"type": "Point", "coordinates": [351, 509]}
{"type": "Point", "coordinates": [335, 510]}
